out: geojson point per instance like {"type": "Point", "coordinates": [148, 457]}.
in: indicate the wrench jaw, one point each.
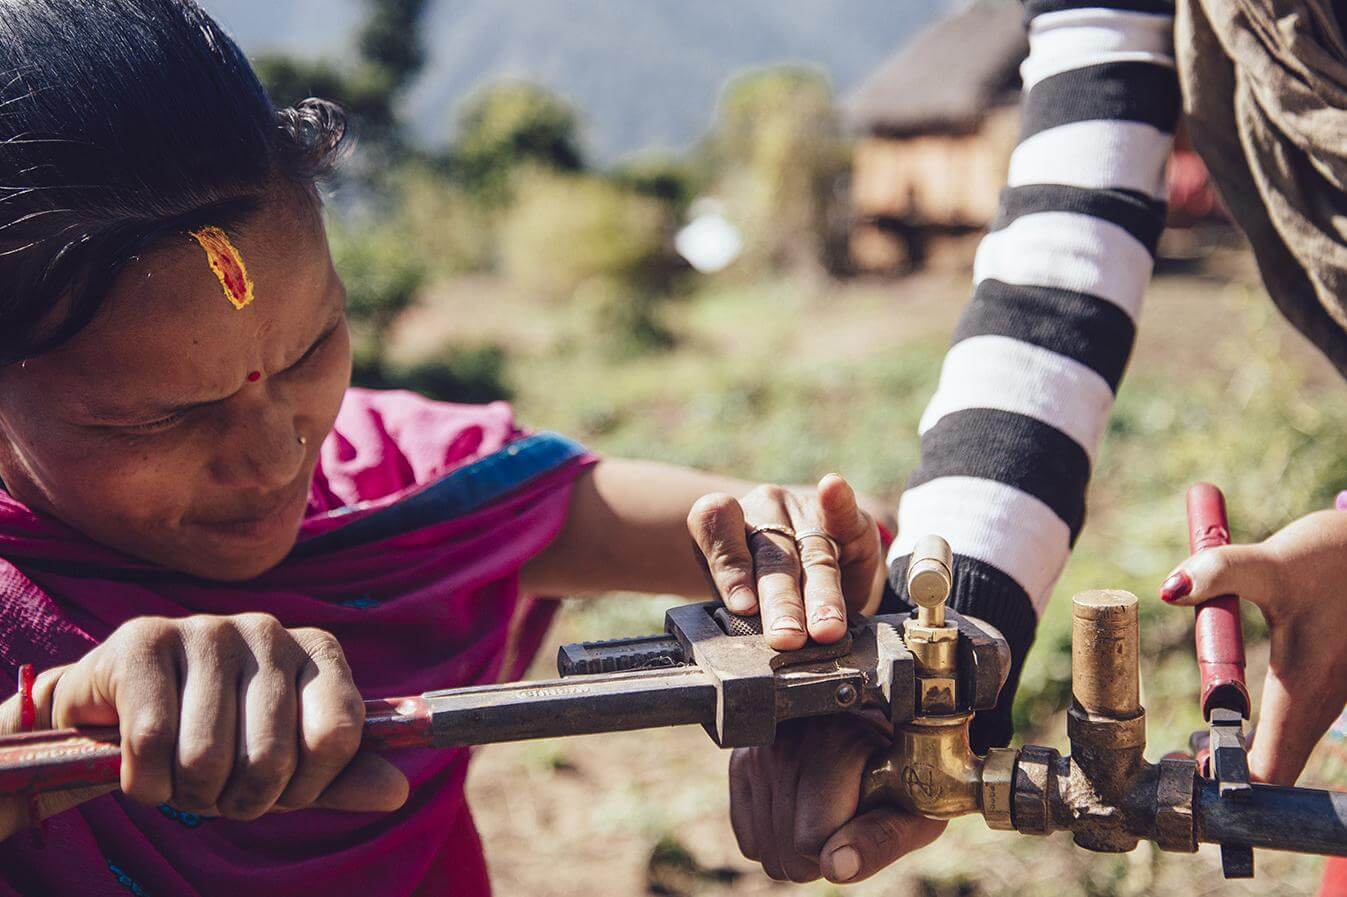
{"type": "Point", "coordinates": [758, 687]}
{"type": "Point", "coordinates": [1229, 766]}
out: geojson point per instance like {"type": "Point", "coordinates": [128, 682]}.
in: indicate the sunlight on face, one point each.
{"type": "Point", "coordinates": [147, 432]}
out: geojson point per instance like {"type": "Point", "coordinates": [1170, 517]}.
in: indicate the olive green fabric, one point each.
{"type": "Point", "coordinates": [1265, 95]}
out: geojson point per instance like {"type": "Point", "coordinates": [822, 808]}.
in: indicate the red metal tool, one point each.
{"type": "Point", "coordinates": [1220, 639]}
{"type": "Point", "coordinates": [1220, 661]}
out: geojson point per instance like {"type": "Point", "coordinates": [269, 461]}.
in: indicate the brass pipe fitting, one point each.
{"type": "Point", "coordinates": [1105, 793]}
{"type": "Point", "coordinates": [931, 768]}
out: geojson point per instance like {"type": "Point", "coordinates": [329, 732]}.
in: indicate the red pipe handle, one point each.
{"type": "Point", "coordinates": [1218, 634]}
{"type": "Point", "coordinates": [68, 759]}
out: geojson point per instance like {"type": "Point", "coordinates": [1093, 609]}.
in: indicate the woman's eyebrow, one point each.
{"type": "Point", "coordinates": [171, 409]}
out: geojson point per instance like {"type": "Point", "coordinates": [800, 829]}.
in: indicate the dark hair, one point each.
{"type": "Point", "coordinates": [122, 121]}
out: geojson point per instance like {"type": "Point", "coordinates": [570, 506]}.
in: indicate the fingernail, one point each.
{"type": "Point", "coordinates": [787, 624]}
{"type": "Point", "coordinates": [1179, 585]}
{"type": "Point", "coordinates": [742, 601]}
{"type": "Point", "coordinates": [1341, 503]}
{"type": "Point", "coordinates": [845, 863]}
{"type": "Point", "coordinates": [827, 615]}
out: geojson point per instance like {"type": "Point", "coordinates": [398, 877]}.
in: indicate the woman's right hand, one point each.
{"type": "Point", "coordinates": [219, 716]}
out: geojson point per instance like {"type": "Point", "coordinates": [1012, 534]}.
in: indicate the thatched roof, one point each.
{"type": "Point", "coordinates": [948, 75]}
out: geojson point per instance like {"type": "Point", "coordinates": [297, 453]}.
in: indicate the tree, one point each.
{"type": "Point", "coordinates": [390, 56]}
{"type": "Point", "coordinates": [777, 143]}
{"type": "Point", "coordinates": [511, 124]}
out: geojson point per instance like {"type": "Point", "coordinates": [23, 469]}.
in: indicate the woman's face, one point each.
{"type": "Point", "coordinates": [152, 433]}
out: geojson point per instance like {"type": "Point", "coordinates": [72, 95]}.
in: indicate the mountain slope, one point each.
{"type": "Point", "coordinates": [644, 73]}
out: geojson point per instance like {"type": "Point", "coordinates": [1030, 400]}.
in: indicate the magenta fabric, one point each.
{"type": "Point", "coordinates": [435, 608]}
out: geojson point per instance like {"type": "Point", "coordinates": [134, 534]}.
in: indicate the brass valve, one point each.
{"type": "Point", "coordinates": [1105, 793]}
{"type": "Point", "coordinates": [931, 768]}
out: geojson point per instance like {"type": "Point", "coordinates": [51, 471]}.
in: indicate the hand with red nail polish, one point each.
{"type": "Point", "coordinates": [1296, 578]}
{"type": "Point", "coordinates": [1179, 585]}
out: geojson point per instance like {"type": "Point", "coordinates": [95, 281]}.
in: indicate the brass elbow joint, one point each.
{"type": "Point", "coordinates": [931, 768]}
{"type": "Point", "coordinates": [933, 771]}
{"type": "Point", "coordinates": [1105, 793]}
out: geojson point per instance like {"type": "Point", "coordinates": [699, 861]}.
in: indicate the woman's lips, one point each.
{"type": "Point", "coordinates": [270, 526]}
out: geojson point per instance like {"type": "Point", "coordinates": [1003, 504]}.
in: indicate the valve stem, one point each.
{"type": "Point", "coordinates": [930, 578]}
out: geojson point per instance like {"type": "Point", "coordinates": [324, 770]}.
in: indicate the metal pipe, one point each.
{"type": "Point", "coordinates": [1302, 820]}
{"type": "Point", "coordinates": [1105, 652]}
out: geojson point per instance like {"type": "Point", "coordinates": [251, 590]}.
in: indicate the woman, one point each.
{"type": "Point", "coordinates": [208, 540]}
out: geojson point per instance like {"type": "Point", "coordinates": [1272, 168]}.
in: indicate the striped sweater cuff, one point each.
{"type": "Point", "coordinates": [982, 591]}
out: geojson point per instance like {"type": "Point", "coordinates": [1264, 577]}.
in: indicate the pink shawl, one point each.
{"type": "Point", "coordinates": [420, 518]}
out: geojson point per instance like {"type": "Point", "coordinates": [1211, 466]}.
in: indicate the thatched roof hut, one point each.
{"type": "Point", "coordinates": [948, 76]}
{"type": "Point", "coordinates": [937, 124]}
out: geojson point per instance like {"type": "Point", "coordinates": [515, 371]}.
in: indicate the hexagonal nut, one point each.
{"type": "Point", "coordinates": [1033, 783]}
{"type": "Point", "coordinates": [998, 782]}
{"type": "Point", "coordinates": [914, 630]}
{"type": "Point", "coordinates": [937, 695]}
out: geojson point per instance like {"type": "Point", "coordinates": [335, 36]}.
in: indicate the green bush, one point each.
{"type": "Point", "coordinates": [382, 277]}
{"type": "Point", "coordinates": [473, 374]}
{"type": "Point", "coordinates": [778, 150]}
{"type": "Point", "coordinates": [565, 230]}
{"type": "Point", "coordinates": [512, 124]}
{"type": "Point", "coordinates": [670, 179]}
{"type": "Point", "coordinates": [448, 227]}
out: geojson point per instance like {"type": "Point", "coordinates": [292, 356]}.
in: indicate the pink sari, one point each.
{"type": "Point", "coordinates": [420, 518]}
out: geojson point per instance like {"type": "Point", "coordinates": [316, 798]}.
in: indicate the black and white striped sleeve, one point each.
{"type": "Point", "coordinates": [1009, 439]}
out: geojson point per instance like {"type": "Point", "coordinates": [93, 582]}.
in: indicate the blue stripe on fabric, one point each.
{"type": "Point", "coordinates": [456, 494]}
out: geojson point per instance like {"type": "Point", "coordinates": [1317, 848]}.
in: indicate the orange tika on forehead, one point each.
{"type": "Point", "coordinates": [228, 266]}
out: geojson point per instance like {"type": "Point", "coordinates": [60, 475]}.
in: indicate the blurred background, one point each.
{"type": "Point", "coordinates": [737, 235]}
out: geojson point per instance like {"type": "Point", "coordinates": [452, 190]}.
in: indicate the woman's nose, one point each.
{"type": "Point", "coordinates": [260, 448]}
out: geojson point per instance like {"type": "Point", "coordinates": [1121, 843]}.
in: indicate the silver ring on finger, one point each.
{"type": "Point", "coordinates": [778, 529]}
{"type": "Point", "coordinates": [818, 534]}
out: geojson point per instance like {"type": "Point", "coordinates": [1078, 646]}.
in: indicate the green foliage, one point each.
{"type": "Point", "coordinates": [370, 86]}
{"type": "Point", "coordinates": [670, 179]}
{"type": "Point", "coordinates": [585, 239]}
{"type": "Point", "coordinates": [563, 230]}
{"type": "Point", "coordinates": [382, 279]}
{"type": "Point", "coordinates": [778, 150]}
{"type": "Point", "coordinates": [449, 227]}
{"type": "Point", "coordinates": [625, 317]}
{"type": "Point", "coordinates": [509, 125]}
{"type": "Point", "coordinates": [389, 41]}
{"type": "Point", "coordinates": [289, 80]}
{"type": "Point", "coordinates": [470, 374]}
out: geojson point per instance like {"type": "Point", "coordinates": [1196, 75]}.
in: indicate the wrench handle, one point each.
{"type": "Point", "coordinates": [70, 759]}
{"type": "Point", "coordinates": [1218, 634]}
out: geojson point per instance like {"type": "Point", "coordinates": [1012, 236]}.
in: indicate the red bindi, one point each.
{"type": "Point", "coordinates": [254, 376]}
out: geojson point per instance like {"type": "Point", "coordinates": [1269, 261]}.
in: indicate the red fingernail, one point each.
{"type": "Point", "coordinates": [1177, 586]}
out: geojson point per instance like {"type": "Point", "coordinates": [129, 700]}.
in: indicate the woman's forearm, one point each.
{"type": "Point", "coordinates": [627, 531]}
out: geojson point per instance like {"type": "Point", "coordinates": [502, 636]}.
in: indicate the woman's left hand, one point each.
{"type": "Point", "coordinates": [1295, 578]}
{"type": "Point", "coordinates": [802, 561]}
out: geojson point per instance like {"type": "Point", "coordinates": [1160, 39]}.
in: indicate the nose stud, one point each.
{"type": "Point", "coordinates": [303, 440]}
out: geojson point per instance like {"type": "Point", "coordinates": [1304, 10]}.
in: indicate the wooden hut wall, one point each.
{"type": "Point", "coordinates": [947, 181]}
